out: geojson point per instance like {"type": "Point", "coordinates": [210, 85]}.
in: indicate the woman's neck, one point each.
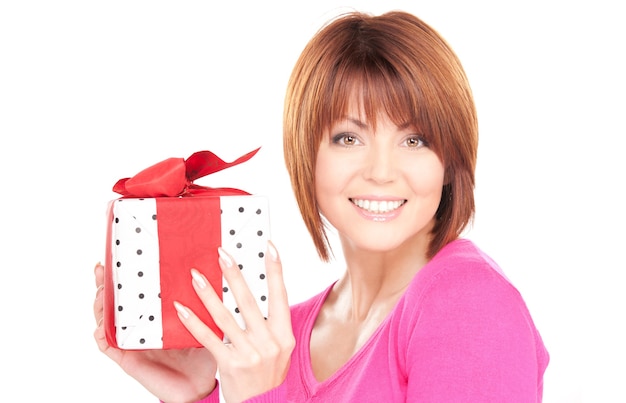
{"type": "Point", "coordinates": [374, 279]}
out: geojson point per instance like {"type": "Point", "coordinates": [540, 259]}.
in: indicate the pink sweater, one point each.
{"type": "Point", "coordinates": [460, 333]}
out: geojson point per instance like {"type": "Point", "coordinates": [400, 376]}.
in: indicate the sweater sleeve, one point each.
{"type": "Point", "coordinates": [276, 395]}
{"type": "Point", "coordinates": [473, 340]}
{"type": "Point", "coordinates": [213, 397]}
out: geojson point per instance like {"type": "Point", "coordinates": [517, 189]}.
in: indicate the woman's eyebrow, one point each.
{"type": "Point", "coordinates": [357, 122]}
{"type": "Point", "coordinates": [405, 126]}
{"type": "Point", "coordinates": [363, 125]}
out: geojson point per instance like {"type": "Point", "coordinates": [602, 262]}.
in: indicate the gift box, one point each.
{"type": "Point", "coordinates": [158, 231]}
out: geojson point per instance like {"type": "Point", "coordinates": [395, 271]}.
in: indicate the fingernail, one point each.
{"type": "Point", "coordinates": [271, 250]}
{"type": "Point", "coordinates": [182, 310]}
{"type": "Point", "coordinates": [225, 258]}
{"type": "Point", "coordinates": [198, 279]}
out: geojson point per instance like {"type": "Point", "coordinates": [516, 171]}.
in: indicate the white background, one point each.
{"type": "Point", "coordinates": [93, 91]}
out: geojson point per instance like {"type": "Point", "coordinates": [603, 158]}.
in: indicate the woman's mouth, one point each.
{"type": "Point", "coordinates": [378, 206]}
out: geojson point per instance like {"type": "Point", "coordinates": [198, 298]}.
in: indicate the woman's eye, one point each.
{"type": "Point", "coordinates": [415, 142]}
{"type": "Point", "coordinates": [349, 140]}
{"type": "Point", "coordinates": [345, 139]}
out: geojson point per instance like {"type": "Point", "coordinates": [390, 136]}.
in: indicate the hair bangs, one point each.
{"type": "Point", "coordinates": [376, 88]}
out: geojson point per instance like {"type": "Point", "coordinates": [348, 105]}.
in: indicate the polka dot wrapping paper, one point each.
{"type": "Point", "coordinates": [152, 243]}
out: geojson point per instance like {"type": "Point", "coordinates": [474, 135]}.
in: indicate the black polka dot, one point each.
{"type": "Point", "coordinates": [232, 232]}
{"type": "Point", "coordinates": [258, 211]}
{"type": "Point", "coordinates": [120, 308]}
{"type": "Point", "coordinates": [142, 341]}
{"type": "Point", "coordinates": [140, 274]}
{"type": "Point", "coordinates": [239, 245]}
{"type": "Point", "coordinates": [138, 230]}
{"type": "Point", "coordinates": [261, 254]}
{"type": "Point", "coordinates": [241, 209]}
{"type": "Point", "coordinates": [236, 310]}
{"type": "Point", "coordinates": [154, 216]}
{"type": "Point", "coordinates": [263, 297]}
{"type": "Point", "coordinates": [118, 264]}
{"type": "Point", "coordinates": [139, 251]}
{"type": "Point", "coordinates": [151, 318]}
{"type": "Point", "coordinates": [117, 241]}
{"type": "Point", "coordinates": [119, 286]}
{"type": "Point", "coordinates": [259, 233]}
{"type": "Point", "coordinates": [240, 266]}
{"type": "Point", "coordinates": [141, 295]}
{"type": "Point", "coordinates": [225, 289]}
{"type": "Point", "coordinates": [117, 220]}
{"type": "Point", "coordinates": [262, 276]}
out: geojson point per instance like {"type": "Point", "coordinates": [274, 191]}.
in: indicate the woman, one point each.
{"type": "Point", "coordinates": [380, 140]}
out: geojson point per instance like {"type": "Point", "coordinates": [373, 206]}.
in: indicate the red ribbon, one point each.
{"type": "Point", "coordinates": [174, 177]}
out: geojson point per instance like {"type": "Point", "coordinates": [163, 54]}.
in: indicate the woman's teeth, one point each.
{"type": "Point", "coordinates": [378, 206]}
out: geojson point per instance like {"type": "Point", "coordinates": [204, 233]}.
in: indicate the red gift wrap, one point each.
{"type": "Point", "coordinates": [163, 226]}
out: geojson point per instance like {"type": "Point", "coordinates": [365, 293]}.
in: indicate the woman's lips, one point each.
{"type": "Point", "coordinates": [378, 206]}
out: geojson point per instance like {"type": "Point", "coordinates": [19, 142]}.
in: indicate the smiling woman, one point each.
{"type": "Point", "coordinates": [392, 66]}
{"type": "Point", "coordinates": [380, 141]}
{"type": "Point", "coordinates": [379, 175]}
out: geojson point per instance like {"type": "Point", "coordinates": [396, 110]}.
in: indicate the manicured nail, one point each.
{"type": "Point", "coordinates": [271, 250]}
{"type": "Point", "coordinates": [198, 279]}
{"type": "Point", "coordinates": [182, 310]}
{"type": "Point", "coordinates": [226, 260]}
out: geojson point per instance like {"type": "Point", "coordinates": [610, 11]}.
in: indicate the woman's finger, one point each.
{"type": "Point", "coordinates": [201, 331]}
{"type": "Point", "coordinates": [98, 311]}
{"type": "Point", "coordinates": [246, 302]}
{"type": "Point", "coordinates": [98, 304]}
{"type": "Point", "coordinates": [222, 317]}
{"type": "Point", "coordinates": [98, 307]}
{"type": "Point", "coordinates": [278, 304]}
{"type": "Point", "coordinates": [98, 272]}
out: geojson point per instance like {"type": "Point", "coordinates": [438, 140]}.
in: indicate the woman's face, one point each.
{"type": "Point", "coordinates": [378, 186]}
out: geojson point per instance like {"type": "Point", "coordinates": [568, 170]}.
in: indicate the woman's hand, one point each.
{"type": "Point", "coordinates": [257, 358]}
{"type": "Point", "coordinates": [171, 375]}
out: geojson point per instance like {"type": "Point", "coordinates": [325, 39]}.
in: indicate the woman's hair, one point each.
{"type": "Point", "coordinates": [397, 65]}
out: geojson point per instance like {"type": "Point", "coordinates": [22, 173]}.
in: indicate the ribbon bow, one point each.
{"type": "Point", "coordinates": [175, 176]}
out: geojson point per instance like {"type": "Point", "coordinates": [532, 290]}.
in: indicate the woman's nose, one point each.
{"type": "Point", "coordinates": [380, 166]}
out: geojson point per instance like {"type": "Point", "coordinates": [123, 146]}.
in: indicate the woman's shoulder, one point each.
{"type": "Point", "coordinates": [463, 263]}
{"type": "Point", "coordinates": [462, 277]}
{"type": "Point", "coordinates": [461, 311]}
{"type": "Point", "coordinates": [463, 288]}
